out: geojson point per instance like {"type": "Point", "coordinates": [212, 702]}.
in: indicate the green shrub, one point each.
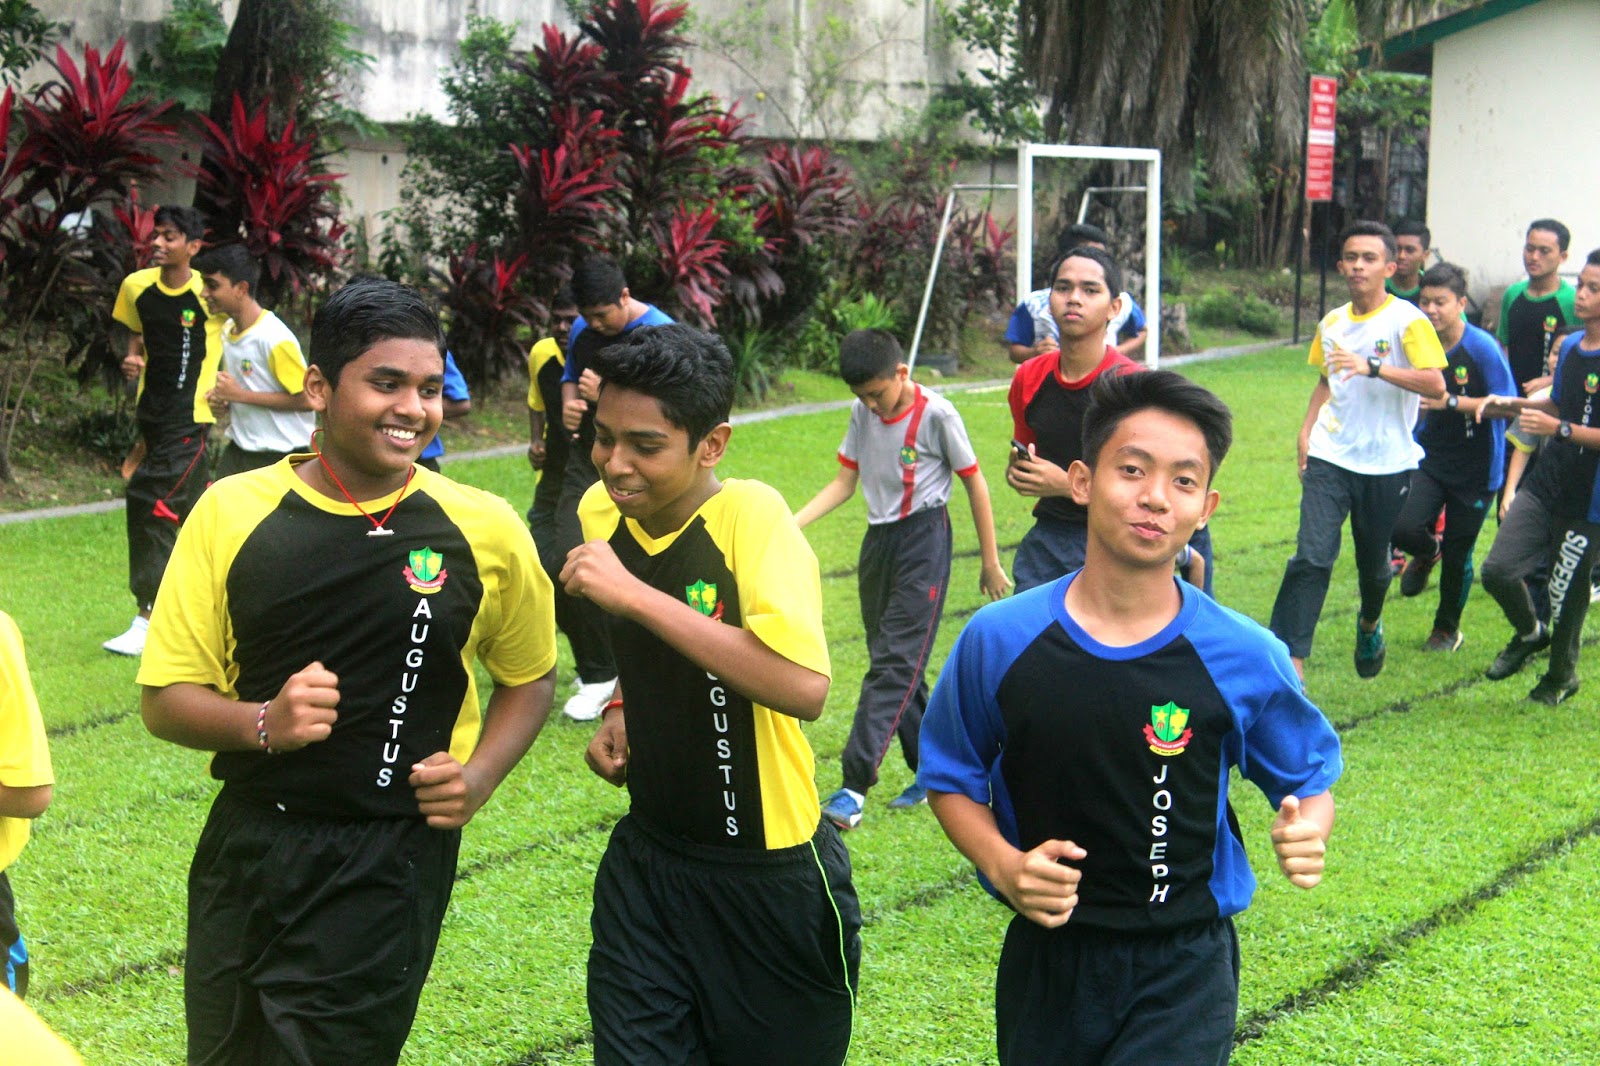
{"type": "Point", "coordinates": [1257, 316]}
{"type": "Point", "coordinates": [1216, 308]}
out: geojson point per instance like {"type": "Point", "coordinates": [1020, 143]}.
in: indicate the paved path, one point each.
{"type": "Point", "coordinates": [743, 418]}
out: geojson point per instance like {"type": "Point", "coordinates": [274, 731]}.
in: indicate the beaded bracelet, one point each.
{"type": "Point", "coordinates": [261, 728]}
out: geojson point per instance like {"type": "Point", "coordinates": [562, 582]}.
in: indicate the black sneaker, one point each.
{"type": "Point", "coordinates": [1370, 651]}
{"type": "Point", "coordinates": [1516, 653]}
{"type": "Point", "coordinates": [1552, 690]}
{"type": "Point", "coordinates": [1414, 579]}
{"type": "Point", "coordinates": [1444, 640]}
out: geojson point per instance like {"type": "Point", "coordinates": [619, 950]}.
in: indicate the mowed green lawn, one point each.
{"type": "Point", "coordinates": [1457, 923]}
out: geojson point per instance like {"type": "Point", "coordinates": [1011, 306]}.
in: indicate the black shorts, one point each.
{"type": "Point", "coordinates": [1090, 997]}
{"type": "Point", "coordinates": [310, 938]}
{"type": "Point", "coordinates": [705, 954]}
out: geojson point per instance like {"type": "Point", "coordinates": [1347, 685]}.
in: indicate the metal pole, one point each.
{"type": "Point", "coordinates": [933, 272]}
{"type": "Point", "coordinates": [1299, 255]}
{"type": "Point", "coordinates": [1320, 243]}
{"type": "Point", "coordinates": [1152, 264]}
{"type": "Point", "coordinates": [1024, 221]}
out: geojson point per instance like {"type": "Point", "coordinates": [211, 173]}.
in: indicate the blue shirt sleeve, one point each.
{"type": "Point", "coordinates": [1135, 323]}
{"type": "Point", "coordinates": [455, 386]}
{"type": "Point", "coordinates": [1566, 352]}
{"type": "Point", "coordinates": [1020, 329]}
{"type": "Point", "coordinates": [574, 366]}
{"type": "Point", "coordinates": [1491, 364]}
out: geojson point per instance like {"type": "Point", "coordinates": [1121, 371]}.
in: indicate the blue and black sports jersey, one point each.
{"type": "Point", "coordinates": [1568, 477]}
{"type": "Point", "coordinates": [1126, 751]}
{"type": "Point", "coordinates": [1460, 451]}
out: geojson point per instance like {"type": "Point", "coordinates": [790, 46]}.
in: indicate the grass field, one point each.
{"type": "Point", "coordinates": [1457, 923]}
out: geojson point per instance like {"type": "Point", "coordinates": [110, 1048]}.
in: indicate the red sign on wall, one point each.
{"type": "Point", "coordinates": [1320, 132]}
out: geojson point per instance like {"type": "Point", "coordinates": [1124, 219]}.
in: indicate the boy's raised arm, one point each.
{"type": "Point", "coordinates": [992, 579]}
{"type": "Point", "coordinates": [733, 653]}
{"type": "Point", "coordinates": [834, 493]}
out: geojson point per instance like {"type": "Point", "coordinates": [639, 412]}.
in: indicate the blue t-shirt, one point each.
{"type": "Point", "coordinates": [1126, 751]}
{"type": "Point", "coordinates": [577, 354]}
{"type": "Point", "coordinates": [1460, 451]}
{"type": "Point", "coordinates": [455, 388]}
{"type": "Point", "coordinates": [1032, 318]}
{"type": "Point", "coordinates": [1569, 475]}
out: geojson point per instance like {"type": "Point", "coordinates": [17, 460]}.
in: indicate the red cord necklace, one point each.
{"type": "Point", "coordinates": [377, 529]}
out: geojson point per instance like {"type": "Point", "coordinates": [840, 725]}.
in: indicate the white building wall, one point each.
{"type": "Point", "coordinates": [1511, 139]}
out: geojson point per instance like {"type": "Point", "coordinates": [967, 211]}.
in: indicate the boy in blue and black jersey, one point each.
{"type": "Point", "coordinates": [726, 927]}
{"type": "Point", "coordinates": [1463, 462]}
{"type": "Point", "coordinates": [1556, 513]}
{"type": "Point", "coordinates": [1097, 810]}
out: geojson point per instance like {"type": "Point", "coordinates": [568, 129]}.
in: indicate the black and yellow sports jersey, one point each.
{"type": "Point", "coordinates": [269, 576]}
{"type": "Point", "coordinates": [705, 763]}
{"type": "Point", "coordinates": [182, 346]}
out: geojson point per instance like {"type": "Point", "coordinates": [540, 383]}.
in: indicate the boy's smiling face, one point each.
{"type": "Point", "coordinates": [1149, 489]}
{"type": "Point", "coordinates": [384, 410]}
{"type": "Point", "coordinates": [170, 247]}
{"type": "Point", "coordinates": [651, 472]}
{"type": "Point", "coordinates": [223, 297]}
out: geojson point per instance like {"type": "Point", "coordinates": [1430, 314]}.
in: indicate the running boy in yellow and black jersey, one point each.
{"type": "Point", "coordinates": [726, 927]}
{"type": "Point", "coordinates": [173, 352]}
{"type": "Point", "coordinates": [317, 630]}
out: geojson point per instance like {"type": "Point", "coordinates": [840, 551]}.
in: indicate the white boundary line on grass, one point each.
{"type": "Point", "coordinates": [744, 418]}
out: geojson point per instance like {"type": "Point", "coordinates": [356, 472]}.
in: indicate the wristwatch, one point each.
{"type": "Point", "coordinates": [1564, 430]}
{"type": "Point", "coordinates": [1374, 364]}
{"type": "Point", "coordinates": [1452, 401]}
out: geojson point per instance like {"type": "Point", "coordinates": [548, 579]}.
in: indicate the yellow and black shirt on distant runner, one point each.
{"type": "Point", "coordinates": [269, 576]}
{"type": "Point", "coordinates": [182, 345]}
{"type": "Point", "coordinates": [706, 764]}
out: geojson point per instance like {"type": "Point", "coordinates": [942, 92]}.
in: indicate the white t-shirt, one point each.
{"type": "Point", "coordinates": [1365, 427]}
{"type": "Point", "coordinates": [906, 465]}
{"type": "Point", "coordinates": [266, 358]}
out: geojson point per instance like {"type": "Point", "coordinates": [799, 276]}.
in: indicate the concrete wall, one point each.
{"type": "Point", "coordinates": [846, 69]}
{"type": "Point", "coordinates": [1511, 140]}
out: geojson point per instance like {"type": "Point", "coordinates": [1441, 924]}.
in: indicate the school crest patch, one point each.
{"type": "Point", "coordinates": [246, 366]}
{"type": "Point", "coordinates": [1549, 323]}
{"type": "Point", "coordinates": [188, 318]}
{"type": "Point", "coordinates": [1381, 347]}
{"type": "Point", "coordinates": [1591, 383]}
{"type": "Point", "coordinates": [908, 456]}
{"type": "Point", "coordinates": [702, 596]}
{"type": "Point", "coordinates": [1168, 733]}
{"type": "Point", "coordinates": [1461, 375]}
{"type": "Point", "coordinates": [425, 571]}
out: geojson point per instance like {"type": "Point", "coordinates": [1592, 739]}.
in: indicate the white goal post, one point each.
{"type": "Point", "coordinates": [1151, 158]}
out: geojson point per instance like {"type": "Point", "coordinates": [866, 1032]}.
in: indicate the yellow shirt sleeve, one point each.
{"type": "Point", "coordinates": [189, 629]}
{"type": "Point", "coordinates": [1317, 356]}
{"type": "Point", "coordinates": [29, 1040]}
{"type": "Point", "coordinates": [540, 354]}
{"type": "Point", "coordinates": [24, 751]}
{"type": "Point", "coordinates": [780, 587]}
{"type": "Point", "coordinates": [288, 366]}
{"type": "Point", "coordinates": [522, 647]}
{"type": "Point", "coordinates": [124, 310]}
{"type": "Point", "coordinates": [1422, 347]}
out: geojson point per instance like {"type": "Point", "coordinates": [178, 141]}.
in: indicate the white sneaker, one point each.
{"type": "Point", "coordinates": [587, 703]}
{"type": "Point", "coordinates": [131, 642]}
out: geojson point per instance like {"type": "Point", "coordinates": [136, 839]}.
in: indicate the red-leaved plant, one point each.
{"type": "Point", "coordinates": [486, 313]}
{"type": "Point", "coordinates": [269, 192]}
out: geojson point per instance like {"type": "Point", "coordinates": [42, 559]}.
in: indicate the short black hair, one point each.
{"type": "Point", "coordinates": [1114, 397]}
{"type": "Point", "coordinates": [1550, 225]}
{"type": "Point", "coordinates": [183, 218]}
{"type": "Point", "coordinates": [366, 312]}
{"type": "Point", "coordinates": [1369, 229]}
{"type": "Point", "coordinates": [867, 355]}
{"type": "Point", "coordinates": [1081, 233]}
{"type": "Point", "coordinates": [232, 261]}
{"type": "Point", "coordinates": [564, 297]}
{"type": "Point", "coordinates": [597, 280]}
{"type": "Point", "coordinates": [1445, 276]}
{"type": "Point", "coordinates": [687, 371]}
{"type": "Point", "coordinates": [1410, 227]}
{"type": "Point", "coordinates": [1099, 255]}
{"type": "Point", "coordinates": [1594, 259]}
